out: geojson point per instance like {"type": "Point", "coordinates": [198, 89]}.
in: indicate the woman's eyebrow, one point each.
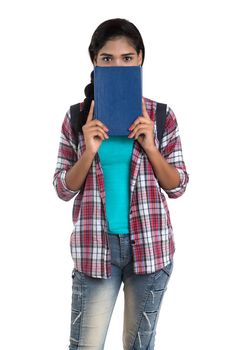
{"type": "Point", "coordinates": [105, 54]}
{"type": "Point", "coordinates": [128, 54]}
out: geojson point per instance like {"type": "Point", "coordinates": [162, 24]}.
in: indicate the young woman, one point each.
{"type": "Point", "coordinates": [122, 228]}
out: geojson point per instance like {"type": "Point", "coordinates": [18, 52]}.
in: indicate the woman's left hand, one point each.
{"type": "Point", "coordinates": [142, 129]}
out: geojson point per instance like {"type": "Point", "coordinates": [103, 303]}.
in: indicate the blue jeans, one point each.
{"type": "Point", "coordinates": [93, 301]}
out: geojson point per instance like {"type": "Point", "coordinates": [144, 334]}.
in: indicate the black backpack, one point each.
{"type": "Point", "coordinates": [161, 111]}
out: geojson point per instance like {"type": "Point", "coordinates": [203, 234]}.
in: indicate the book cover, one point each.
{"type": "Point", "coordinates": [118, 97]}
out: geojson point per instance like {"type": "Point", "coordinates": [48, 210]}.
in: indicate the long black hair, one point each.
{"type": "Point", "coordinates": [107, 30]}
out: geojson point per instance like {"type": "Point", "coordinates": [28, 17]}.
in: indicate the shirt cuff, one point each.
{"type": "Point", "coordinates": [62, 178]}
{"type": "Point", "coordinates": [182, 182]}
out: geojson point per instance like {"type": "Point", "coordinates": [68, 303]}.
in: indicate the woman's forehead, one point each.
{"type": "Point", "coordinates": [118, 44]}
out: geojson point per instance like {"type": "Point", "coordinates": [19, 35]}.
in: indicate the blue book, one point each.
{"type": "Point", "coordinates": [118, 97]}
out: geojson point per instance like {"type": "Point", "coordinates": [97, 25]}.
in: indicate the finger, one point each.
{"type": "Point", "coordinates": [97, 122]}
{"type": "Point", "coordinates": [91, 127]}
{"type": "Point", "coordinates": [91, 110]}
{"type": "Point", "coordinates": [141, 132]}
{"type": "Point", "coordinates": [97, 131]}
{"type": "Point", "coordinates": [138, 121]}
{"type": "Point", "coordinates": [133, 133]}
{"type": "Point", "coordinates": [138, 130]}
{"type": "Point", "coordinates": [144, 110]}
{"type": "Point", "coordinates": [99, 134]}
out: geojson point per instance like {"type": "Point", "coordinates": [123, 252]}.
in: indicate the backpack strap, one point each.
{"type": "Point", "coordinates": [160, 116]}
{"type": "Point", "coordinates": [74, 112]}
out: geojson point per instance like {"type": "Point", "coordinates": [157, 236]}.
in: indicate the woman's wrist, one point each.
{"type": "Point", "coordinates": [89, 153]}
{"type": "Point", "coordinates": [151, 150]}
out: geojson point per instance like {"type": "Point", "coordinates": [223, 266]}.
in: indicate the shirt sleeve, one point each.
{"type": "Point", "coordinates": [171, 149]}
{"type": "Point", "coordinates": [67, 157]}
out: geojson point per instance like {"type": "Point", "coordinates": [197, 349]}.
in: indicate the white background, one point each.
{"type": "Point", "coordinates": [44, 69]}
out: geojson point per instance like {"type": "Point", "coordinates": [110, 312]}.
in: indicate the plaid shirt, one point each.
{"type": "Point", "coordinates": [150, 225]}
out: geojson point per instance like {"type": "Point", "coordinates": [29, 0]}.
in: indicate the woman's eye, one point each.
{"type": "Point", "coordinates": [106, 59]}
{"type": "Point", "coordinates": [127, 58]}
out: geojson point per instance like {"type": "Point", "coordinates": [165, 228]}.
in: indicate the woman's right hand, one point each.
{"type": "Point", "coordinates": [94, 132]}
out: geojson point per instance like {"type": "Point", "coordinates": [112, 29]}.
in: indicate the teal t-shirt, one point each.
{"type": "Point", "coordinates": [115, 156]}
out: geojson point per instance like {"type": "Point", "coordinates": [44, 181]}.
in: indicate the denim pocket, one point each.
{"type": "Point", "coordinates": [161, 277]}
{"type": "Point", "coordinates": [77, 275]}
{"type": "Point", "coordinates": [168, 269]}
